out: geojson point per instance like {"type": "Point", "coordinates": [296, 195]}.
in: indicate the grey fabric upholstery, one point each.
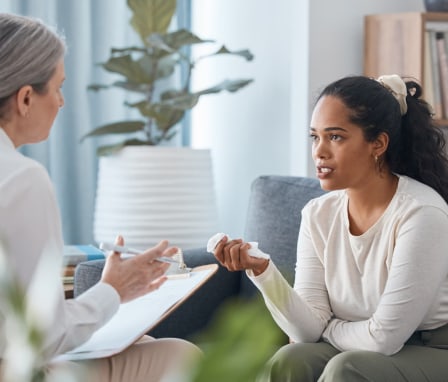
{"type": "Point", "coordinates": [273, 220]}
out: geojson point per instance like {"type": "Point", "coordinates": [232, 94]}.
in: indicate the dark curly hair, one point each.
{"type": "Point", "coordinates": [416, 144]}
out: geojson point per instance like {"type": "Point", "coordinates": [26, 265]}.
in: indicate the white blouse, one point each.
{"type": "Point", "coordinates": [367, 292]}
{"type": "Point", "coordinates": [30, 223]}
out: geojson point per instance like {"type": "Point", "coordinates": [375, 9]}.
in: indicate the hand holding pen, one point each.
{"type": "Point", "coordinates": [132, 251]}
{"type": "Point", "coordinates": [139, 274]}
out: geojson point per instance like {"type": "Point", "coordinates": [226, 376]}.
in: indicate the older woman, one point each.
{"type": "Point", "coordinates": [31, 77]}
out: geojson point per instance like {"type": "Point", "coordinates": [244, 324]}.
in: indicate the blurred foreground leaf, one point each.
{"type": "Point", "coordinates": [27, 311]}
{"type": "Point", "coordinates": [238, 343]}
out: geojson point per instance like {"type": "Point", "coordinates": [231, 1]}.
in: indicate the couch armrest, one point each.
{"type": "Point", "coordinates": [196, 312]}
{"type": "Point", "coordinates": [87, 274]}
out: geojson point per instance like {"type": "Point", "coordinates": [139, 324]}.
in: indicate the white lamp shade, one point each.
{"type": "Point", "coordinates": [148, 193]}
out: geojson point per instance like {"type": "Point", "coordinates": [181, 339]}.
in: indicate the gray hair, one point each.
{"type": "Point", "coordinates": [29, 54]}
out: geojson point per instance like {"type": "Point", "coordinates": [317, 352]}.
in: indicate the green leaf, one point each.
{"type": "Point", "coordinates": [134, 70]}
{"type": "Point", "coordinates": [109, 149]}
{"type": "Point", "coordinates": [171, 135]}
{"type": "Point", "coordinates": [243, 53]}
{"type": "Point", "coordinates": [166, 66]}
{"type": "Point", "coordinates": [151, 16]}
{"type": "Point", "coordinates": [144, 70]}
{"type": "Point", "coordinates": [156, 41]}
{"type": "Point", "coordinates": [114, 148]}
{"type": "Point", "coordinates": [15, 295]}
{"type": "Point", "coordinates": [179, 100]}
{"type": "Point", "coordinates": [172, 42]}
{"type": "Point", "coordinates": [97, 87]}
{"type": "Point", "coordinates": [223, 50]}
{"type": "Point", "coordinates": [116, 128]}
{"type": "Point", "coordinates": [229, 85]}
{"type": "Point", "coordinates": [173, 104]}
{"type": "Point", "coordinates": [168, 117]}
{"type": "Point", "coordinates": [185, 101]}
{"type": "Point", "coordinates": [127, 50]}
{"type": "Point", "coordinates": [133, 87]}
{"type": "Point", "coordinates": [165, 116]}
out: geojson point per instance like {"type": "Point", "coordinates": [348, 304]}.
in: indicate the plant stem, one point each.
{"type": "Point", "coordinates": [150, 95]}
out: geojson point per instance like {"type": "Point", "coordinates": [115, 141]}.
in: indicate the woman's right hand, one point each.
{"type": "Point", "coordinates": [234, 256]}
{"type": "Point", "coordinates": [137, 275]}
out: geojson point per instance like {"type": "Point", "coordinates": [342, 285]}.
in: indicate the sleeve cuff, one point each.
{"type": "Point", "coordinates": [267, 278]}
{"type": "Point", "coordinates": [104, 297]}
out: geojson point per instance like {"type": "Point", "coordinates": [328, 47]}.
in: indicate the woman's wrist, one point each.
{"type": "Point", "coordinates": [259, 269]}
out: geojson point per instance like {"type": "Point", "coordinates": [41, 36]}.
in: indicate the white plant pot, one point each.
{"type": "Point", "coordinates": [148, 193]}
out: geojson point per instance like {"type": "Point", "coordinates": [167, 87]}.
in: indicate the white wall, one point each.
{"type": "Point", "coordinates": [299, 46]}
{"type": "Point", "coordinates": [336, 41]}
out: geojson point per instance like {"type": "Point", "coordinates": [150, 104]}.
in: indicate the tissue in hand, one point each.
{"type": "Point", "coordinates": [253, 251]}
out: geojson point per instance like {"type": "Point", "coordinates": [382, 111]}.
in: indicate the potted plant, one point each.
{"type": "Point", "coordinates": [145, 191]}
{"type": "Point", "coordinates": [143, 67]}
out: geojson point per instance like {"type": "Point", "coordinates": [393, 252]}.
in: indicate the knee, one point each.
{"type": "Point", "coordinates": [178, 357]}
{"type": "Point", "coordinates": [181, 348]}
{"type": "Point", "coordinates": [168, 351]}
{"type": "Point", "coordinates": [289, 363]}
{"type": "Point", "coordinates": [349, 366]}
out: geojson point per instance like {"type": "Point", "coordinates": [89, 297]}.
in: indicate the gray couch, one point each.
{"type": "Point", "coordinates": [273, 221]}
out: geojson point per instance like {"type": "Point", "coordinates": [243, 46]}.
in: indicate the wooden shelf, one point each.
{"type": "Point", "coordinates": [394, 43]}
{"type": "Point", "coordinates": [443, 123]}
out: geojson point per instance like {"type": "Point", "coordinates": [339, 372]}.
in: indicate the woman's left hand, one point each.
{"type": "Point", "coordinates": [234, 256]}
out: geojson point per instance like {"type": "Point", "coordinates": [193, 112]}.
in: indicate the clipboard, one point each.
{"type": "Point", "coordinates": [135, 318]}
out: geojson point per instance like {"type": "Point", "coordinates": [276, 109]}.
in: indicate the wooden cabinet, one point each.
{"type": "Point", "coordinates": [398, 44]}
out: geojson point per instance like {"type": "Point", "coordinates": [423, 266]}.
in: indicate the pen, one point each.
{"type": "Point", "coordinates": [123, 249]}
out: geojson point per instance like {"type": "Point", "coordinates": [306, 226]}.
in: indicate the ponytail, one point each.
{"type": "Point", "coordinates": [422, 152]}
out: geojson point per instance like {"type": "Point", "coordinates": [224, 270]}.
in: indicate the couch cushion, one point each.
{"type": "Point", "coordinates": [274, 216]}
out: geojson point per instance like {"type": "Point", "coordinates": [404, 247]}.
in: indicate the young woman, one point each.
{"type": "Point", "coordinates": [31, 76]}
{"type": "Point", "coordinates": [370, 298]}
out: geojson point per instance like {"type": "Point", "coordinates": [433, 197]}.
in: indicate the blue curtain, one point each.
{"type": "Point", "coordinates": [91, 28]}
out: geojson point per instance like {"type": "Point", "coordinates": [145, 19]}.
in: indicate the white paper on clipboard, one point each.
{"type": "Point", "coordinates": [135, 318]}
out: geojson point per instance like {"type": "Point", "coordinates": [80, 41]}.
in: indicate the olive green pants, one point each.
{"type": "Point", "coordinates": [424, 358]}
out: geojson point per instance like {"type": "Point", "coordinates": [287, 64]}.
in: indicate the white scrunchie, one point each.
{"type": "Point", "coordinates": [397, 87]}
